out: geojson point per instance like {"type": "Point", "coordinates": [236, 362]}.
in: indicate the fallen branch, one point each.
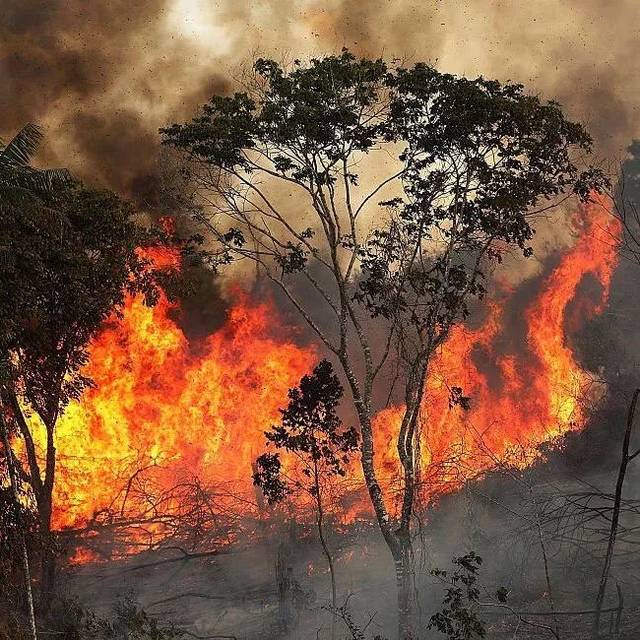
{"type": "Point", "coordinates": [193, 635]}
{"type": "Point", "coordinates": [189, 594]}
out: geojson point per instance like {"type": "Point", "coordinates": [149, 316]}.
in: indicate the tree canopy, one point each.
{"type": "Point", "coordinates": [312, 431]}
{"type": "Point", "coordinates": [475, 160]}
{"type": "Point", "coordinates": [376, 197]}
{"type": "Point", "coordinates": [67, 262]}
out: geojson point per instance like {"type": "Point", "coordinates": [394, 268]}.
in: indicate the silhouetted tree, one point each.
{"type": "Point", "coordinates": [69, 256]}
{"type": "Point", "coordinates": [627, 457]}
{"type": "Point", "coordinates": [380, 255]}
{"type": "Point", "coordinates": [22, 185]}
{"type": "Point", "coordinates": [311, 430]}
{"type": "Point", "coordinates": [626, 199]}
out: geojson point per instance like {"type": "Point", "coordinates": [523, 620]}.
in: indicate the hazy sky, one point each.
{"type": "Point", "coordinates": [102, 76]}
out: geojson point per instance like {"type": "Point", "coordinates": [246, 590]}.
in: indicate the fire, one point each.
{"type": "Point", "coordinates": [165, 415]}
{"type": "Point", "coordinates": [159, 406]}
{"type": "Point", "coordinates": [518, 399]}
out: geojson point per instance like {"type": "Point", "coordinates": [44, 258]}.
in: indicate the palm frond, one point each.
{"type": "Point", "coordinates": [18, 151]}
{"type": "Point", "coordinates": [19, 180]}
{"type": "Point", "coordinates": [36, 182]}
{"type": "Point", "coordinates": [50, 180]}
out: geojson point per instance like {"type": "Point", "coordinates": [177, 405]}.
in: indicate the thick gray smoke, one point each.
{"type": "Point", "coordinates": [103, 76]}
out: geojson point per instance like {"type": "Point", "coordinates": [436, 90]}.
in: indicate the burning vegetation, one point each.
{"type": "Point", "coordinates": [385, 211]}
{"type": "Point", "coordinates": [165, 413]}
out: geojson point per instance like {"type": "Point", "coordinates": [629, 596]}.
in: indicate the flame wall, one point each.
{"type": "Point", "coordinates": [157, 403]}
{"type": "Point", "coordinates": [161, 404]}
{"type": "Point", "coordinates": [518, 399]}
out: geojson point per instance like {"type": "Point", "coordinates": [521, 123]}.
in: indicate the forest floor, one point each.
{"type": "Point", "coordinates": [234, 594]}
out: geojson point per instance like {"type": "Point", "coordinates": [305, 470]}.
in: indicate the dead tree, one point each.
{"type": "Point", "coordinates": [284, 583]}
{"type": "Point", "coordinates": [615, 514]}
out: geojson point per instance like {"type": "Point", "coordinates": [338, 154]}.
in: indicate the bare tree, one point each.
{"type": "Point", "coordinates": [627, 457]}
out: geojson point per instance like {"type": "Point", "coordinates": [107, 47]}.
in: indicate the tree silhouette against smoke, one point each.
{"type": "Point", "coordinates": [310, 429]}
{"type": "Point", "coordinates": [21, 185]}
{"type": "Point", "coordinates": [285, 173]}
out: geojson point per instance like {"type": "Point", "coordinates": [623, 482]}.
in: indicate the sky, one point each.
{"type": "Point", "coordinates": [103, 76]}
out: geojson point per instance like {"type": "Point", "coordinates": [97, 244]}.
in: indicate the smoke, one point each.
{"type": "Point", "coordinates": [101, 77]}
{"type": "Point", "coordinates": [574, 52]}
{"type": "Point", "coordinates": [104, 76]}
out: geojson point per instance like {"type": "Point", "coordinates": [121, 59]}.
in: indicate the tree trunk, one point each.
{"type": "Point", "coordinates": [284, 576]}
{"type": "Point", "coordinates": [332, 575]}
{"type": "Point", "coordinates": [325, 548]}
{"type": "Point", "coordinates": [43, 491]}
{"type": "Point", "coordinates": [23, 544]}
{"type": "Point", "coordinates": [398, 539]}
{"type": "Point", "coordinates": [401, 553]}
{"type": "Point", "coordinates": [615, 516]}
{"type": "Point", "coordinates": [403, 562]}
{"type": "Point", "coordinates": [48, 560]}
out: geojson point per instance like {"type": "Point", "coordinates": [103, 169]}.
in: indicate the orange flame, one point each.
{"type": "Point", "coordinates": [159, 404]}
{"type": "Point", "coordinates": [517, 400]}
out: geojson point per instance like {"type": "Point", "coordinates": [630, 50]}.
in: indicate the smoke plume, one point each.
{"type": "Point", "coordinates": [103, 76]}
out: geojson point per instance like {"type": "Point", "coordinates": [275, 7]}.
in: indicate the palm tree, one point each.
{"type": "Point", "coordinates": [18, 179]}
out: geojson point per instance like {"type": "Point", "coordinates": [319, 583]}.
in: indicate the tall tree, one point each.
{"type": "Point", "coordinates": [312, 431]}
{"type": "Point", "coordinates": [375, 197]}
{"type": "Point", "coordinates": [69, 256]}
{"type": "Point", "coordinates": [21, 185]}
